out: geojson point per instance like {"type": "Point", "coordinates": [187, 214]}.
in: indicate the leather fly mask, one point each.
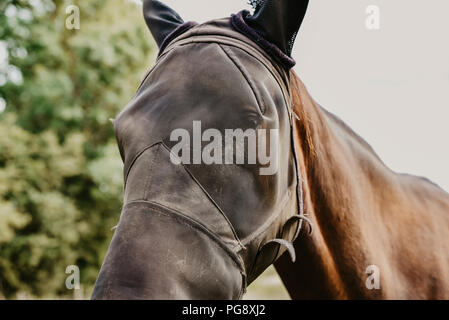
{"type": "Point", "coordinates": [196, 228]}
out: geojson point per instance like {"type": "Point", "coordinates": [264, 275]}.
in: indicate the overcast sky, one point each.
{"type": "Point", "coordinates": [390, 85]}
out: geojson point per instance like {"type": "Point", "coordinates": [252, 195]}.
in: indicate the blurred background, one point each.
{"type": "Point", "coordinates": [60, 170]}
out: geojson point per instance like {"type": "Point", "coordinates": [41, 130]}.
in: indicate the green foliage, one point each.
{"type": "Point", "coordinates": [60, 170]}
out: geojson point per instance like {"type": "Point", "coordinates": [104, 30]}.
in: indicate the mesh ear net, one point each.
{"type": "Point", "coordinates": [256, 3]}
{"type": "Point", "coordinates": [292, 42]}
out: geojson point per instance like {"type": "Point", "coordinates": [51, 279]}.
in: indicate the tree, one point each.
{"type": "Point", "coordinates": [60, 170]}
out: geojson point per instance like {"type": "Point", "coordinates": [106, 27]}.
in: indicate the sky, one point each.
{"type": "Point", "coordinates": [390, 85]}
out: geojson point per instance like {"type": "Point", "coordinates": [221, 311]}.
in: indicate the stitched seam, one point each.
{"type": "Point", "coordinates": [187, 221]}
{"type": "Point", "coordinates": [249, 49]}
{"type": "Point", "coordinates": [177, 32]}
{"type": "Point", "coordinates": [267, 224]}
{"type": "Point", "coordinates": [243, 287]}
{"type": "Point", "coordinates": [193, 178]}
{"type": "Point", "coordinates": [147, 186]}
{"type": "Point", "coordinates": [242, 70]}
{"type": "Point", "coordinates": [259, 250]}
{"type": "Point", "coordinates": [137, 156]}
{"type": "Point", "coordinates": [147, 75]}
{"type": "Point", "coordinates": [210, 198]}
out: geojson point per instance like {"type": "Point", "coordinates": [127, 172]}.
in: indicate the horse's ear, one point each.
{"type": "Point", "coordinates": [160, 19]}
{"type": "Point", "coordinates": [278, 21]}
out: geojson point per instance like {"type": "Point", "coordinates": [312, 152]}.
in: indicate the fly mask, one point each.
{"type": "Point", "coordinates": [213, 192]}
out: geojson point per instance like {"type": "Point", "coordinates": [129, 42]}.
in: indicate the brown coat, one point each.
{"type": "Point", "coordinates": [364, 214]}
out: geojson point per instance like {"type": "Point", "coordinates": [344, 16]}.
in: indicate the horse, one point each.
{"type": "Point", "coordinates": [203, 218]}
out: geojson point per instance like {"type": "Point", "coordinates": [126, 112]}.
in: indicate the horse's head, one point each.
{"type": "Point", "coordinates": [212, 189]}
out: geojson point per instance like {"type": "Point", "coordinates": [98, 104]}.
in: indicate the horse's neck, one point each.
{"type": "Point", "coordinates": [364, 215]}
{"type": "Point", "coordinates": [341, 174]}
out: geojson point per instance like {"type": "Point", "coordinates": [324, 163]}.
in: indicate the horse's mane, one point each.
{"type": "Point", "coordinates": [298, 102]}
{"type": "Point", "coordinates": [354, 199]}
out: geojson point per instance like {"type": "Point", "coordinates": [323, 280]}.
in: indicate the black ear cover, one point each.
{"type": "Point", "coordinates": [160, 19]}
{"type": "Point", "coordinates": [278, 21]}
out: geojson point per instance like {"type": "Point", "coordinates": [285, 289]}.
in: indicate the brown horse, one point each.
{"type": "Point", "coordinates": [206, 229]}
{"type": "Point", "coordinates": [364, 214]}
